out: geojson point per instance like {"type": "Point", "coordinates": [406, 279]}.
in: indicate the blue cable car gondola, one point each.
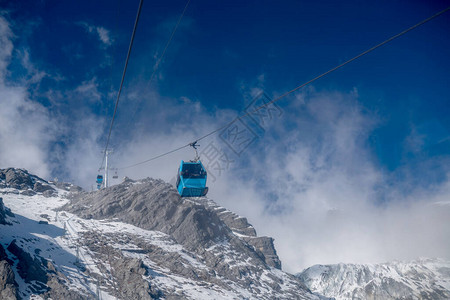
{"type": "Point", "coordinates": [99, 181]}
{"type": "Point", "coordinates": [191, 179]}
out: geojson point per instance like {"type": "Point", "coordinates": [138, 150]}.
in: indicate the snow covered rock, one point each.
{"type": "Point", "coordinates": [24, 182]}
{"type": "Point", "coordinates": [225, 247]}
{"type": "Point", "coordinates": [136, 240]}
{"type": "Point", "coordinates": [154, 204]}
{"type": "Point", "coordinates": [263, 246]}
{"type": "Point", "coordinates": [69, 187]}
{"type": "Point", "coordinates": [41, 188]}
{"type": "Point", "coordinates": [17, 178]}
{"type": "Point", "coordinates": [29, 268]}
{"type": "Point", "coordinates": [419, 279]}
{"type": "Point", "coordinates": [37, 274]}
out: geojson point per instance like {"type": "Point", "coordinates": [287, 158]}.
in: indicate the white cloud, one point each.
{"type": "Point", "coordinates": [88, 90]}
{"type": "Point", "coordinates": [102, 33]}
{"type": "Point", "coordinates": [329, 200]}
{"type": "Point", "coordinates": [83, 152]}
{"type": "Point", "coordinates": [310, 181]}
{"type": "Point", "coordinates": [25, 132]}
{"type": "Point", "coordinates": [32, 136]}
{"type": "Point", "coordinates": [26, 128]}
{"type": "Point", "coordinates": [34, 75]}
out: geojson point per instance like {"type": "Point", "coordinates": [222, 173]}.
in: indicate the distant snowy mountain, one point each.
{"type": "Point", "coordinates": [419, 279]}
{"type": "Point", "coordinates": [135, 240]}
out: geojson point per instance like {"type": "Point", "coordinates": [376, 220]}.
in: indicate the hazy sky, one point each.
{"type": "Point", "coordinates": [353, 168]}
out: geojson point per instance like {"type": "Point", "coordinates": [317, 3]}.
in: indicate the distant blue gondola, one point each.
{"type": "Point", "coordinates": [191, 179]}
{"type": "Point", "coordinates": [99, 179]}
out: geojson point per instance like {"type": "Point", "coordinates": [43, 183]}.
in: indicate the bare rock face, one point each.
{"type": "Point", "coordinates": [8, 285]}
{"type": "Point", "coordinates": [17, 179]}
{"type": "Point", "coordinates": [28, 193]}
{"type": "Point", "coordinates": [153, 205]}
{"type": "Point", "coordinates": [41, 276]}
{"type": "Point", "coordinates": [24, 182]}
{"type": "Point", "coordinates": [29, 268]}
{"type": "Point", "coordinates": [59, 290]}
{"type": "Point", "coordinates": [40, 188]}
{"type": "Point", "coordinates": [28, 184]}
{"type": "Point", "coordinates": [8, 289]}
{"type": "Point", "coordinates": [4, 211]}
{"type": "Point", "coordinates": [130, 271]}
{"type": "Point", "coordinates": [225, 243]}
{"type": "Point", "coordinates": [68, 187]}
{"type": "Point", "coordinates": [263, 246]}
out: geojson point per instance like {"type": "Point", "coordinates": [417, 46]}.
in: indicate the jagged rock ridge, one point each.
{"type": "Point", "coordinates": [225, 243]}
{"type": "Point", "coordinates": [14, 180]}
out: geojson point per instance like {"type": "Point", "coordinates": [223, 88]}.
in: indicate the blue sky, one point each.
{"type": "Point", "coordinates": [376, 131]}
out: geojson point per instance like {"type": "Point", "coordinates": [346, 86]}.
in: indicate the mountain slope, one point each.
{"type": "Point", "coordinates": [221, 245]}
{"type": "Point", "coordinates": [136, 240]}
{"type": "Point", "coordinates": [419, 279]}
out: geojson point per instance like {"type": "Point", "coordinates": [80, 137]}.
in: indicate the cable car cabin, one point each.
{"type": "Point", "coordinates": [99, 179]}
{"type": "Point", "coordinates": [191, 179]}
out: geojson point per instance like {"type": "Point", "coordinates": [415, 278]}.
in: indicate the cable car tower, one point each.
{"type": "Point", "coordinates": [102, 181]}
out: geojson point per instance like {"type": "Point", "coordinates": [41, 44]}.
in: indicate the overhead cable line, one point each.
{"type": "Point", "coordinates": [123, 78]}
{"type": "Point", "coordinates": [169, 41]}
{"type": "Point", "coordinates": [158, 62]}
{"type": "Point", "coordinates": [296, 88]}
{"type": "Point", "coordinates": [155, 157]}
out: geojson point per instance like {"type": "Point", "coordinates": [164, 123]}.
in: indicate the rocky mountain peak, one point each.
{"type": "Point", "coordinates": [23, 182]}
{"type": "Point", "coordinates": [17, 178]}
{"type": "Point", "coordinates": [14, 180]}
{"type": "Point", "coordinates": [418, 279]}
{"type": "Point", "coordinates": [196, 223]}
{"type": "Point", "coordinates": [134, 240]}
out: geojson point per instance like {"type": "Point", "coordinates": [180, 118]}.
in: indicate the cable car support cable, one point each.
{"type": "Point", "coordinates": [169, 41]}
{"type": "Point", "coordinates": [295, 89]}
{"type": "Point", "coordinates": [122, 80]}
{"type": "Point", "coordinates": [158, 62]}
